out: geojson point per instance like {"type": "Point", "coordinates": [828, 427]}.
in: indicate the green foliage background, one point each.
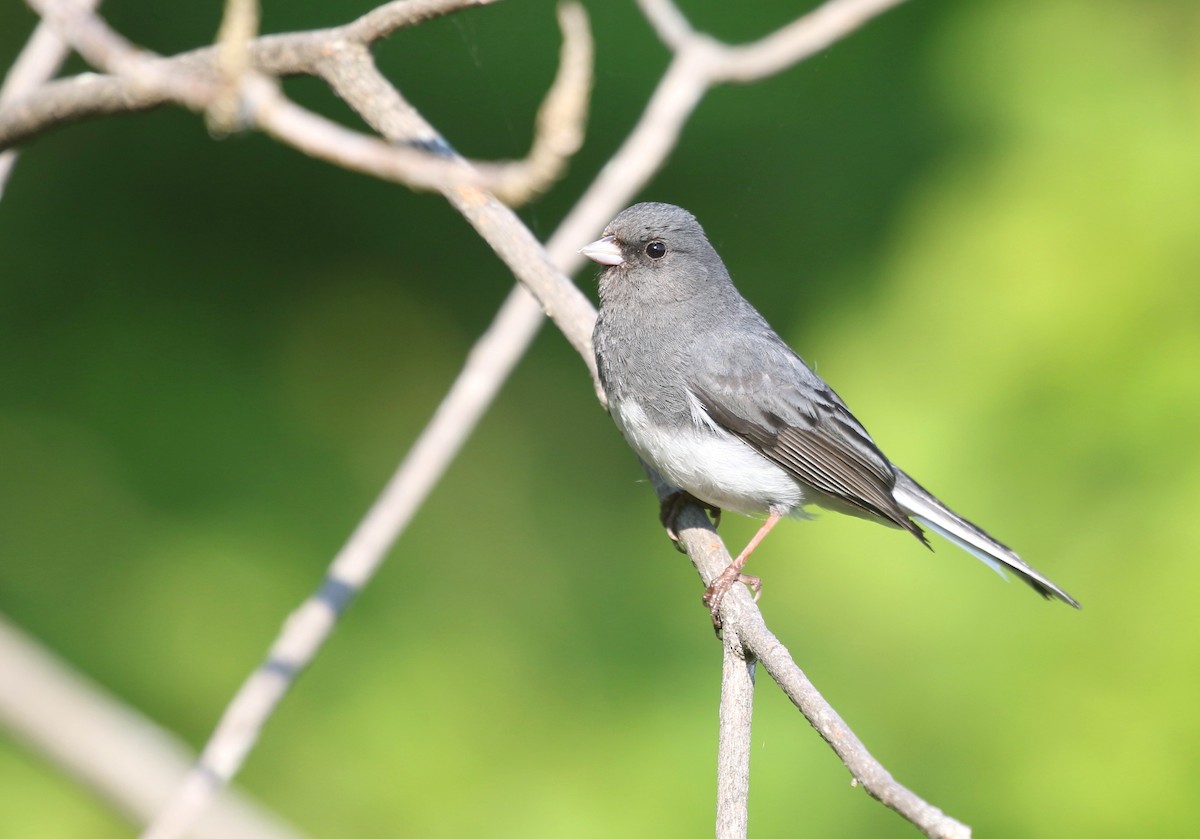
{"type": "Point", "coordinates": [980, 221]}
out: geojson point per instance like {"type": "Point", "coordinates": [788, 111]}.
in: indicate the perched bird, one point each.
{"type": "Point", "coordinates": [708, 395]}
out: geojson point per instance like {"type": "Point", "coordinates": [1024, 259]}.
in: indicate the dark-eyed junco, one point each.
{"type": "Point", "coordinates": [709, 396]}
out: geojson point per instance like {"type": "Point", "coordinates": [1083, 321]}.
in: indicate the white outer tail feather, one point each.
{"type": "Point", "coordinates": [926, 509]}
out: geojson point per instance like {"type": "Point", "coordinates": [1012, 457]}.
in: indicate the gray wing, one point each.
{"type": "Point", "coordinates": [762, 392]}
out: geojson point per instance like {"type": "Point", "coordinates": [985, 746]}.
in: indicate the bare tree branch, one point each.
{"type": "Point", "coordinates": [771, 54]}
{"type": "Point", "coordinates": [106, 49]}
{"type": "Point", "coordinates": [219, 81]}
{"type": "Point", "coordinates": [560, 120]}
{"type": "Point", "coordinates": [341, 58]}
{"type": "Point", "coordinates": [740, 614]}
{"type": "Point", "coordinates": [126, 758]}
{"type": "Point", "coordinates": [385, 20]}
{"type": "Point", "coordinates": [238, 28]}
{"type": "Point", "coordinates": [87, 95]}
{"type": "Point", "coordinates": [43, 54]}
{"type": "Point", "coordinates": [306, 629]}
{"type": "Point", "coordinates": [733, 739]}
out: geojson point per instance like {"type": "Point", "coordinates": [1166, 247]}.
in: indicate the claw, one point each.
{"type": "Point", "coordinates": [669, 511]}
{"type": "Point", "coordinates": [752, 583]}
{"type": "Point", "coordinates": [715, 593]}
{"type": "Point", "coordinates": [733, 574]}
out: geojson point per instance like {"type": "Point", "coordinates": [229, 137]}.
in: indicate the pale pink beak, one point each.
{"type": "Point", "coordinates": [606, 251]}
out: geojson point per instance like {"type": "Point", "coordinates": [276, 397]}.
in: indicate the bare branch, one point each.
{"type": "Point", "coordinates": [739, 614]}
{"type": "Point", "coordinates": [351, 72]}
{"type": "Point", "coordinates": [800, 39]}
{"type": "Point", "coordinates": [668, 22]}
{"type": "Point", "coordinates": [104, 48]}
{"type": "Point", "coordinates": [71, 100]}
{"type": "Point", "coordinates": [238, 28]}
{"type": "Point", "coordinates": [733, 740]}
{"type": "Point", "coordinates": [218, 80]}
{"type": "Point", "coordinates": [641, 155]}
{"type": "Point", "coordinates": [560, 120]}
{"type": "Point", "coordinates": [402, 14]}
{"type": "Point", "coordinates": [868, 771]}
{"type": "Point", "coordinates": [344, 62]}
{"type": "Point", "coordinates": [771, 54]}
{"type": "Point", "coordinates": [323, 139]}
{"type": "Point", "coordinates": [355, 78]}
{"type": "Point", "coordinates": [111, 748]}
{"type": "Point", "coordinates": [39, 60]}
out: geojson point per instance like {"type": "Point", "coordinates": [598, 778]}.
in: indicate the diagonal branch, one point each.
{"type": "Point", "coordinates": [771, 54]}
{"type": "Point", "coordinates": [40, 59]}
{"type": "Point", "coordinates": [127, 759]}
{"type": "Point", "coordinates": [386, 20]}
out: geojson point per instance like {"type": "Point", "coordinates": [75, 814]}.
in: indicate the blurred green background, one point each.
{"type": "Point", "coordinates": [981, 223]}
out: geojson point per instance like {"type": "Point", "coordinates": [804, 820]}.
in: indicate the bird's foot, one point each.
{"type": "Point", "coordinates": [673, 504]}
{"type": "Point", "coordinates": [733, 573]}
{"type": "Point", "coordinates": [715, 593]}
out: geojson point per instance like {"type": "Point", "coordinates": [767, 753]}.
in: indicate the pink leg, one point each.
{"type": "Point", "coordinates": [733, 574]}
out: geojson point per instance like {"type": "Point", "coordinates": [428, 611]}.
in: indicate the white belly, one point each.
{"type": "Point", "coordinates": [710, 463]}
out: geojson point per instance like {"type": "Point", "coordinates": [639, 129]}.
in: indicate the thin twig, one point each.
{"type": "Point", "coordinates": [558, 137]}
{"type": "Point", "coordinates": [41, 57]}
{"type": "Point", "coordinates": [740, 614]}
{"type": "Point", "coordinates": [771, 54]}
{"type": "Point", "coordinates": [389, 18]}
{"type": "Point", "coordinates": [817, 30]}
{"type": "Point", "coordinates": [109, 747]}
{"type": "Point", "coordinates": [238, 28]}
{"type": "Point", "coordinates": [354, 77]}
{"type": "Point", "coordinates": [668, 23]}
{"type": "Point", "coordinates": [306, 630]}
{"type": "Point", "coordinates": [560, 120]}
{"type": "Point", "coordinates": [218, 81]}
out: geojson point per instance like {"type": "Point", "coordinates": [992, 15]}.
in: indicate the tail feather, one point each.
{"type": "Point", "coordinates": [925, 508]}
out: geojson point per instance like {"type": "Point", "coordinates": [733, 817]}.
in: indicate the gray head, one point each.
{"type": "Point", "coordinates": [657, 253]}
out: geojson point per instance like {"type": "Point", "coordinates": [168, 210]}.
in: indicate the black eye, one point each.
{"type": "Point", "coordinates": [656, 250]}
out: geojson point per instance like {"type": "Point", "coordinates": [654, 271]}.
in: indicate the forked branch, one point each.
{"type": "Point", "coordinates": [235, 82]}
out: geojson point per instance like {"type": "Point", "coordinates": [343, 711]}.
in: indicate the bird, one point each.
{"type": "Point", "coordinates": [707, 394]}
